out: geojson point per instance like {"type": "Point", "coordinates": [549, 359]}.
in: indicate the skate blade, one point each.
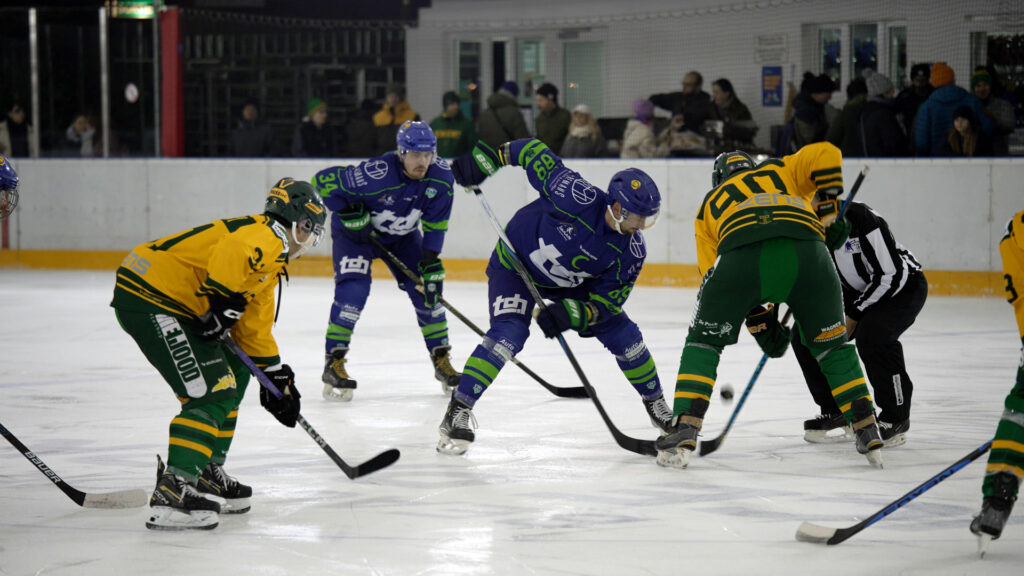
{"type": "Point", "coordinates": [875, 458]}
{"type": "Point", "coordinates": [452, 446]}
{"type": "Point", "coordinates": [332, 394]}
{"type": "Point", "coordinates": [674, 458]}
{"type": "Point", "coordinates": [897, 440]}
{"type": "Point", "coordinates": [983, 541]}
{"type": "Point", "coordinates": [235, 506]}
{"type": "Point", "coordinates": [823, 437]}
{"type": "Point", "coordinates": [167, 518]}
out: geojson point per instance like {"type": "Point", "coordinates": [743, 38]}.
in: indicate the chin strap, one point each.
{"type": "Point", "coordinates": [618, 221]}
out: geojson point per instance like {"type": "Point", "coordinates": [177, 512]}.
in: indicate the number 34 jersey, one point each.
{"type": "Point", "coordinates": [772, 200]}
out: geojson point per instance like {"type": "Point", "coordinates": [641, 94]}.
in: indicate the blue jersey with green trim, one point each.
{"type": "Point", "coordinates": [562, 237]}
{"type": "Point", "coordinates": [397, 204]}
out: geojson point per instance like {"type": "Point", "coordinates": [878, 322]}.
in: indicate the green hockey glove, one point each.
{"type": "Point", "coordinates": [771, 336]}
{"type": "Point", "coordinates": [432, 272]}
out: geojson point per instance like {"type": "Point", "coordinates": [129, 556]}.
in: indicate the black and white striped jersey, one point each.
{"type": "Point", "coordinates": [872, 265]}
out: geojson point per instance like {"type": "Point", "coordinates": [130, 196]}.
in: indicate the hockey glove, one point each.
{"type": "Point", "coordinates": [223, 314]}
{"type": "Point", "coordinates": [432, 272]}
{"type": "Point", "coordinates": [355, 222]}
{"type": "Point", "coordinates": [771, 336]}
{"type": "Point", "coordinates": [561, 316]}
{"type": "Point", "coordinates": [285, 408]}
{"type": "Point", "coordinates": [475, 166]}
{"type": "Point", "coordinates": [837, 233]}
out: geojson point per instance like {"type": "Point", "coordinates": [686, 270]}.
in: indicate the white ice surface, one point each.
{"type": "Point", "coordinates": [544, 490]}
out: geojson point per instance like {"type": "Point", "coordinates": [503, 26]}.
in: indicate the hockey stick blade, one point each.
{"type": "Point", "coordinates": [109, 500]}
{"type": "Point", "coordinates": [817, 534]}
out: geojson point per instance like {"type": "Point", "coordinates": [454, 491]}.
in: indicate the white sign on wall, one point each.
{"type": "Point", "coordinates": [771, 49]}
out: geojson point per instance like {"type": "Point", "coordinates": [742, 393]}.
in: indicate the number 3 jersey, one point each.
{"type": "Point", "coordinates": [233, 257]}
{"type": "Point", "coordinates": [562, 237]}
{"type": "Point", "coordinates": [397, 204]}
{"type": "Point", "coordinates": [772, 200]}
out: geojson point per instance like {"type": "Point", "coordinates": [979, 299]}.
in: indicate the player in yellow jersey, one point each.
{"type": "Point", "coordinates": [176, 297]}
{"type": "Point", "coordinates": [760, 243]}
{"type": "Point", "coordinates": [1006, 462]}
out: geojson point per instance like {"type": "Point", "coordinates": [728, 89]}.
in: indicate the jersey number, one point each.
{"type": "Point", "coordinates": [730, 193]}
{"type": "Point", "coordinates": [1011, 293]}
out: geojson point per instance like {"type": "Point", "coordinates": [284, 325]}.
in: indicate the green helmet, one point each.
{"type": "Point", "coordinates": [298, 203]}
{"type": "Point", "coordinates": [729, 163]}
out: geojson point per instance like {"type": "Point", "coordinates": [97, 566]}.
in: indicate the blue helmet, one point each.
{"type": "Point", "coordinates": [417, 136]}
{"type": "Point", "coordinates": [638, 195]}
{"type": "Point", "coordinates": [8, 188]}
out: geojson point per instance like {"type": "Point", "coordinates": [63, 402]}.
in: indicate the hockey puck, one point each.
{"type": "Point", "coordinates": [727, 392]}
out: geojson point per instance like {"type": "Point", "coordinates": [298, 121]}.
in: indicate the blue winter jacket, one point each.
{"type": "Point", "coordinates": [935, 118]}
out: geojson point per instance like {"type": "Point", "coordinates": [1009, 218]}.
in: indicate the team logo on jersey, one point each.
{"type": "Point", "coordinates": [583, 192]}
{"type": "Point", "coordinates": [391, 223]}
{"type": "Point", "coordinates": [514, 304]}
{"type": "Point", "coordinates": [376, 169]}
{"type": "Point", "coordinates": [832, 332]}
{"type": "Point", "coordinates": [388, 200]}
{"type": "Point", "coordinates": [357, 265]}
{"type": "Point", "coordinates": [567, 230]}
{"type": "Point", "coordinates": [636, 245]}
{"type": "Point", "coordinates": [430, 192]}
{"type": "Point", "coordinates": [225, 382]}
{"type": "Point", "coordinates": [852, 246]}
{"type": "Point", "coordinates": [635, 351]}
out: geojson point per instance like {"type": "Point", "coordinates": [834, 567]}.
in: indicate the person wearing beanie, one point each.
{"type": "Point", "coordinates": [935, 116]}
{"type": "Point", "coordinates": [455, 133]}
{"type": "Point", "coordinates": [965, 138]}
{"type": "Point", "coordinates": [844, 131]}
{"type": "Point", "coordinates": [811, 109]}
{"type": "Point", "coordinates": [638, 139]}
{"type": "Point", "coordinates": [910, 98]}
{"type": "Point", "coordinates": [552, 121]}
{"type": "Point", "coordinates": [502, 121]}
{"type": "Point", "coordinates": [997, 109]}
{"type": "Point", "coordinates": [881, 133]}
{"type": "Point", "coordinates": [314, 137]}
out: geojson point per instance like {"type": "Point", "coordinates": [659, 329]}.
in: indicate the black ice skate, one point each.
{"type": "Point", "coordinates": [443, 370]}
{"type": "Point", "coordinates": [677, 444]}
{"type": "Point", "coordinates": [217, 482]}
{"type": "Point", "coordinates": [995, 510]}
{"type": "Point", "coordinates": [894, 434]}
{"type": "Point", "coordinates": [659, 413]}
{"type": "Point", "coordinates": [827, 429]}
{"type": "Point", "coordinates": [456, 429]}
{"type": "Point", "coordinates": [338, 387]}
{"type": "Point", "coordinates": [865, 431]}
{"type": "Point", "coordinates": [177, 505]}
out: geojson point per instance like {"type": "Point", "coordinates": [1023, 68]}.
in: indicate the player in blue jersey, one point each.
{"type": "Point", "coordinates": [8, 188]}
{"type": "Point", "coordinates": [395, 196]}
{"type": "Point", "coordinates": [583, 250]}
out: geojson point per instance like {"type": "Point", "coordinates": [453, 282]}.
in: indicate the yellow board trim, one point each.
{"type": "Point", "coordinates": [940, 282]}
{"type": "Point", "coordinates": [192, 446]}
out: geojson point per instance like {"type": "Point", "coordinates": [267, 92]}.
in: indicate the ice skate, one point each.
{"type": "Point", "coordinates": [456, 429]}
{"type": "Point", "coordinates": [659, 413]}
{"type": "Point", "coordinates": [177, 505]}
{"type": "Point", "coordinates": [995, 510]}
{"type": "Point", "coordinates": [827, 429]}
{"type": "Point", "coordinates": [443, 370]}
{"type": "Point", "coordinates": [894, 434]}
{"type": "Point", "coordinates": [217, 482]}
{"type": "Point", "coordinates": [677, 444]}
{"type": "Point", "coordinates": [338, 387]}
{"type": "Point", "coordinates": [865, 429]}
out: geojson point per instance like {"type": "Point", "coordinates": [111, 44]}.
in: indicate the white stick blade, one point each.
{"type": "Point", "coordinates": [815, 533]}
{"type": "Point", "coordinates": [121, 499]}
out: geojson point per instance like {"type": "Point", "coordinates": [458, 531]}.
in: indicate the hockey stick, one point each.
{"type": "Point", "coordinates": [644, 447]}
{"type": "Point", "coordinates": [120, 499]}
{"type": "Point", "coordinates": [571, 392]}
{"type": "Point", "coordinates": [808, 532]}
{"type": "Point", "coordinates": [711, 445]}
{"type": "Point", "coordinates": [382, 460]}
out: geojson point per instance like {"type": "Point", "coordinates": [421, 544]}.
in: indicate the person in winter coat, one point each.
{"type": "Point", "coordinates": [844, 131]}
{"type": "Point", "coordinates": [585, 139]}
{"type": "Point", "coordinates": [965, 138]}
{"type": "Point", "coordinates": [810, 115]}
{"type": "Point", "coordinates": [502, 121]}
{"type": "Point", "coordinates": [638, 137]}
{"type": "Point", "coordinates": [935, 116]}
{"type": "Point", "coordinates": [880, 127]}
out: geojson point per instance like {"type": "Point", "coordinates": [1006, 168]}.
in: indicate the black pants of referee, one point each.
{"type": "Point", "coordinates": [877, 338]}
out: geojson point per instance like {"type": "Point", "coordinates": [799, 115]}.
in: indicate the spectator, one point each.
{"type": "Point", "coordinates": [585, 139]}
{"type": "Point", "coordinates": [882, 133]}
{"type": "Point", "coordinates": [966, 138]}
{"type": "Point", "coordinates": [739, 129]}
{"type": "Point", "coordinates": [692, 102]}
{"type": "Point", "coordinates": [455, 133]}
{"type": "Point", "coordinates": [502, 121]}
{"type": "Point", "coordinates": [638, 137]}
{"type": "Point", "coordinates": [251, 138]}
{"type": "Point", "coordinates": [14, 133]}
{"type": "Point", "coordinates": [997, 109]}
{"type": "Point", "coordinates": [395, 112]}
{"type": "Point", "coordinates": [910, 98]}
{"type": "Point", "coordinates": [844, 131]}
{"type": "Point", "coordinates": [676, 140]}
{"type": "Point", "coordinates": [79, 137]}
{"type": "Point", "coordinates": [552, 120]}
{"type": "Point", "coordinates": [360, 133]}
{"type": "Point", "coordinates": [314, 137]}
{"type": "Point", "coordinates": [810, 115]}
{"type": "Point", "coordinates": [935, 116]}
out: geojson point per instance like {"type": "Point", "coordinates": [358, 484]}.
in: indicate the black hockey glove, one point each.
{"type": "Point", "coordinates": [558, 317]}
{"type": "Point", "coordinates": [475, 166]}
{"type": "Point", "coordinates": [432, 272]}
{"type": "Point", "coordinates": [355, 222]}
{"type": "Point", "coordinates": [771, 336]}
{"type": "Point", "coordinates": [223, 314]}
{"type": "Point", "coordinates": [285, 408]}
{"type": "Point", "coordinates": [837, 233]}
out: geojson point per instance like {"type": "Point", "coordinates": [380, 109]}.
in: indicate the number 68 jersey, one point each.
{"type": "Point", "coordinates": [773, 200]}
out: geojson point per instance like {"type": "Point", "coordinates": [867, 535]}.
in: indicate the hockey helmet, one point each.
{"type": "Point", "coordinates": [729, 163]}
{"type": "Point", "coordinates": [8, 188]}
{"type": "Point", "coordinates": [416, 136]}
{"type": "Point", "coordinates": [297, 203]}
{"type": "Point", "coordinates": [638, 196]}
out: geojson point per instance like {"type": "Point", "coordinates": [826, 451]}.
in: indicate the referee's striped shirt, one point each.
{"type": "Point", "coordinates": [872, 265]}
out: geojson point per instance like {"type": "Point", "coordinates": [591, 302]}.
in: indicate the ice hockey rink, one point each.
{"type": "Point", "coordinates": [544, 490]}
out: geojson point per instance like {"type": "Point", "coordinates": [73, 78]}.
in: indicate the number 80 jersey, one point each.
{"type": "Point", "coordinates": [773, 200]}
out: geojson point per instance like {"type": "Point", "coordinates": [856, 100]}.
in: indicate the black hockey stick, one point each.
{"type": "Point", "coordinates": [644, 447]}
{"type": "Point", "coordinates": [570, 392]}
{"type": "Point", "coordinates": [707, 447]}
{"type": "Point", "coordinates": [382, 460]}
{"type": "Point", "coordinates": [120, 499]}
{"type": "Point", "coordinates": [808, 532]}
